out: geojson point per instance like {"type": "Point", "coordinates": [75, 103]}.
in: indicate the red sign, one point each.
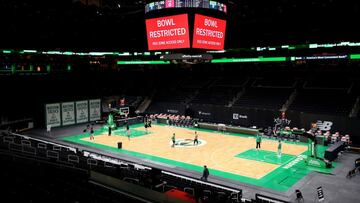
{"type": "Point", "coordinates": [209, 33]}
{"type": "Point", "coordinates": [169, 4]}
{"type": "Point", "coordinates": [171, 32]}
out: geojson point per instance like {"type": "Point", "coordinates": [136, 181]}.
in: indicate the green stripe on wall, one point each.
{"type": "Point", "coordinates": [243, 60]}
{"type": "Point", "coordinates": [355, 56]}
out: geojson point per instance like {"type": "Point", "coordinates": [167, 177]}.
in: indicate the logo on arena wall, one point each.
{"type": "Point", "coordinates": [279, 121]}
{"type": "Point", "coordinates": [172, 111]}
{"type": "Point", "coordinates": [324, 125]}
{"type": "Point", "coordinates": [204, 113]}
{"type": "Point", "coordinates": [188, 143]}
{"type": "Point", "coordinates": [237, 116]}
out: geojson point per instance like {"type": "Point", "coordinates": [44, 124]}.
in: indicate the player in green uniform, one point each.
{"type": "Point", "coordinates": [279, 149]}
{"type": "Point", "coordinates": [258, 141]}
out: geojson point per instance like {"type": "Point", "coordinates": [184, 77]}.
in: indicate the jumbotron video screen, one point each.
{"type": "Point", "coordinates": [169, 32]}
{"type": "Point", "coordinates": [154, 5]}
{"type": "Point", "coordinates": [185, 24]}
{"type": "Point", "coordinates": [209, 33]}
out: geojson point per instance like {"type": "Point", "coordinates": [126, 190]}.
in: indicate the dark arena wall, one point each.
{"type": "Point", "coordinates": [212, 93]}
{"type": "Point", "coordinates": [180, 101]}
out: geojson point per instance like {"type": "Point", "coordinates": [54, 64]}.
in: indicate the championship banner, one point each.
{"type": "Point", "coordinates": [82, 112]}
{"type": "Point", "coordinates": [68, 113]}
{"type": "Point", "coordinates": [95, 109]}
{"type": "Point", "coordinates": [52, 113]}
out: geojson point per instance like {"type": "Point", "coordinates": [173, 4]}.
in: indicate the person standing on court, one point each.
{"type": "Point", "coordinates": [258, 141]}
{"type": "Point", "coordinates": [196, 139]}
{"type": "Point", "coordinates": [173, 140]}
{"type": "Point", "coordinates": [146, 127]}
{"type": "Point", "coordinates": [109, 131]}
{"type": "Point", "coordinates": [167, 120]}
{"type": "Point", "coordinates": [279, 149]}
{"type": "Point", "coordinates": [205, 174]}
{"type": "Point", "coordinates": [92, 133]}
{"type": "Point", "coordinates": [128, 130]}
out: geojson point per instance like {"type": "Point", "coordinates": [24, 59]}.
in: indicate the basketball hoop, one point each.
{"type": "Point", "coordinates": [48, 129]}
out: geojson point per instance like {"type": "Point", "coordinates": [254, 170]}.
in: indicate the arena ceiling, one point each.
{"type": "Point", "coordinates": [119, 24]}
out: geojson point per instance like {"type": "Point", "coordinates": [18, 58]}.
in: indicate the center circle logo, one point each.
{"type": "Point", "coordinates": [188, 143]}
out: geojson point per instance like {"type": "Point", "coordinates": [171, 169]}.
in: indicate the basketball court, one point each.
{"type": "Point", "coordinates": [227, 155]}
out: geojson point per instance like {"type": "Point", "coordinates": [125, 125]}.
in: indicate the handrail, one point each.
{"type": "Point", "coordinates": [201, 182]}
{"type": "Point", "coordinates": [44, 141]}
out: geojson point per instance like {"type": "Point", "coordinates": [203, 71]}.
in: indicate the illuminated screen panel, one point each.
{"type": "Point", "coordinates": [206, 4]}
{"type": "Point", "coordinates": [170, 32]}
{"type": "Point", "coordinates": [169, 3]}
{"type": "Point", "coordinates": [209, 33]}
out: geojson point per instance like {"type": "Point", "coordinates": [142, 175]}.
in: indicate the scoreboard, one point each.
{"type": "Point", "coordinates": [207, 4]}
{"type": "Point", "coordinates": [185, 24]}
